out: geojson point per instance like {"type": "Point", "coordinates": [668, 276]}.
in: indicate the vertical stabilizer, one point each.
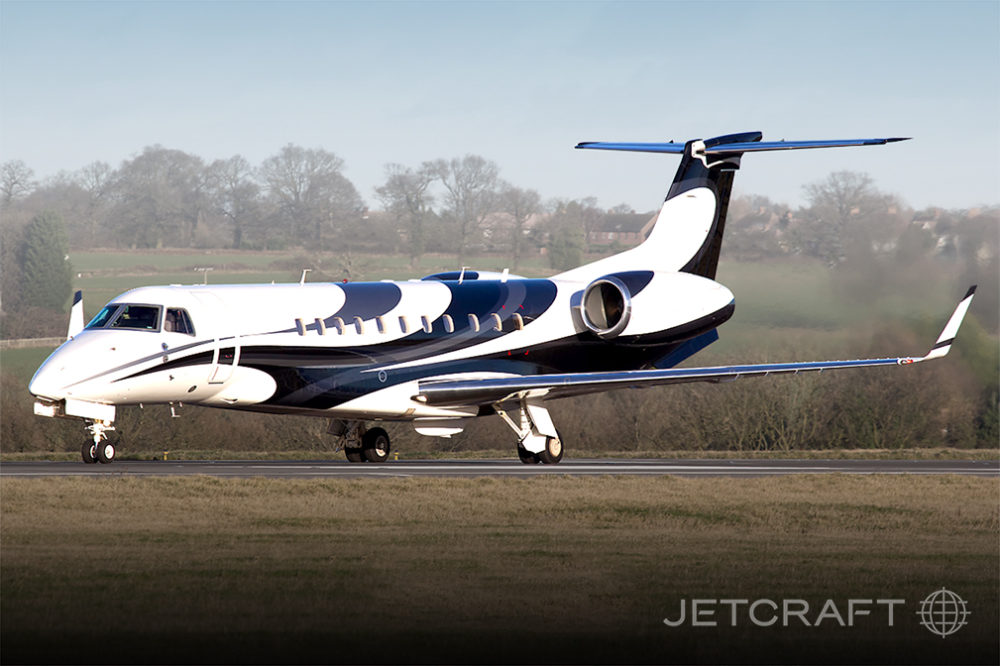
{"type": "Point", "coordinates": [75, 316]}
{"type": "Point", "coordinates": [714, 172]}
{"type": "Point", "coordinates": [687, 235]}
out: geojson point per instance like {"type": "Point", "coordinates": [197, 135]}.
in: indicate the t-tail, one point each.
{"type": "Point", "coordinates": [687, 235]}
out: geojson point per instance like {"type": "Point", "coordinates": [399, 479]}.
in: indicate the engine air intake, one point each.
{"type": "Point", "coordinates": [607, 306]}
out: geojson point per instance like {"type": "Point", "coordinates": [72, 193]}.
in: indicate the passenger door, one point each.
{"type": "Point", "coordinates": [226, 341]}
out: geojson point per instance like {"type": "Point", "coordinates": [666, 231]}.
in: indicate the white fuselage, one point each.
{"type": "Point", "coordinates": [358, 350]}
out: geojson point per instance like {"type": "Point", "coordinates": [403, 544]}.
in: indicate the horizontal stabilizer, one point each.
{"type": "Point", "coordinates": [677, 148]}
{"type": "Point", "coordinates": [496, 390]}
{"type": "Point", "coordinates": [737, 147]}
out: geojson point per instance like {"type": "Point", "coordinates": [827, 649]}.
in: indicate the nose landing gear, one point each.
{"type": "Point", "coordinates": [100, 449]}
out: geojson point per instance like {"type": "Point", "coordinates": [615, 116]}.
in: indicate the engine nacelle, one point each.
{"type": "Point", "coordinates": [606, 307]}
{"type": "Point", "coordinates": [650, 307]}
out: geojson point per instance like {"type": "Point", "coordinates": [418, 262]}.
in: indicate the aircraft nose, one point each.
{"type": "Point", "coordinates": [48, 382]}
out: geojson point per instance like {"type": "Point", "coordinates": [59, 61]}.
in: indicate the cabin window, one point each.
{"type": "Point", "coordinates": [359, 326]}
{"type": "Point", "coordinates": [227, 356]}
{"type": "Point", "coordinates": [497, 322]}
{"type": "Point", "coordinates": [380, 324]}
{"type": "Point", "coordinates": [104, 316]}
{"type": "Point", "coordinates": [474, 323]}
{"type": "Point", "coordinates": [338, 323]}
{"type": "Point", "coordinates": [449, 324]}
{"type": "Point", "coordinates": [177, 320]}
{"type": "Point", "coordinates": [426, 324]}
{"type": "Point", "coordinates": [518, 321]}
{"type": "Point", "coordinates": [138, 317]}
{"type": "Point", "coordinates": [402, 325]}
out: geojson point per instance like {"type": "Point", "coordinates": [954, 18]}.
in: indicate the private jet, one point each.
{"type": "Point", "coordinates": [438, 351]}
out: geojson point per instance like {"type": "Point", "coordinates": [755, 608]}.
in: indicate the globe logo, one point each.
{"type": "Point", "coordinates": [943, 612]}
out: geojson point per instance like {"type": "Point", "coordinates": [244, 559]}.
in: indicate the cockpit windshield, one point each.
{"type": "Point", "coordinates": [142, 317]}
{"type": "Point", "coordinates": [134, 317]}
{"type": "Point", "coordinates": [104, 316]}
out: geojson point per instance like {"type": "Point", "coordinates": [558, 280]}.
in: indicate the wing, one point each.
{"type": "Point", "coordinates": [494, 390]}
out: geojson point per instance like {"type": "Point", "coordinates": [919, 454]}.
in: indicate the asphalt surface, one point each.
{"type": "Point", "coordinates": [497, 468]}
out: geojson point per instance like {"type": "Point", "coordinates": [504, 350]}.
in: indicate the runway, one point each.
{"type": "Point", "coordinates": [496, 468]}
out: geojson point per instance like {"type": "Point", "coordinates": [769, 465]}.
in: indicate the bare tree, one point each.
{"type": "Point", "coordinates": [570, 226]}
{"type": "Point", "coordinates": [840, 208]}
{"type": "Point", "coordinates": [470, 185]}
{"type": "Point", "coordinates": [405, 196]}
{"type": "Point", "coordinates": [15, 180]}
{"type": "Point", "coordinates": [310, 191]}
{"type": "Point", "coordinates": [159, 198]}
{"type": "Point", "coordinates": [234, 194]}
{"type": "Point", "coordinates": [520, 204]}
{"type": "Point", "coordinates": [97, 180]}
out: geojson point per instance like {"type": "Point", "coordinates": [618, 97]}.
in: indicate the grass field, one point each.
{"type": "Point", "coordinates": [23, 362]}
{"type": "Point", "coordinates": [441, 571]}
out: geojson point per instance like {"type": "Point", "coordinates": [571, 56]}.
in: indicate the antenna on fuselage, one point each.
{"type": "Point", "coordinates": [204, 271]}
{"type": "Point", "coordinates": [461, 275]}
{"type": "Point", "coordinates": [302, 280]}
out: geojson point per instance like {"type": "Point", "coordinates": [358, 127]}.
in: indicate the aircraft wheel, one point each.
{"type": "Point", "coordinates": [375, 445]}
{"type": "Point", "coordinates": [89, 451]}
{"type": "Point", "coordinates": [526, 456]}
{"type": "Point", "coordinates": [354, 454]}
{"type": "Point", "coordinates": [105, 452]}
{"type": "Point", "coordinates": [553, 451]}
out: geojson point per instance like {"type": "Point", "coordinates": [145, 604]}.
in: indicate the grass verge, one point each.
{"type": "Point", "coordinates": [207, 570]}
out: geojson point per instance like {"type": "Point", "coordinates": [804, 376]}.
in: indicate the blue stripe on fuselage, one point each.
{"type": "Point", "coordinates": [365, 300]}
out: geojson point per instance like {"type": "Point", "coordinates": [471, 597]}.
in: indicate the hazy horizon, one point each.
{"type": "Point", "coordinates": [517, 83]}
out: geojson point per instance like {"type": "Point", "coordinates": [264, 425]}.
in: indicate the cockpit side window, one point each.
{"type": "Point", "coordinates": [104, 316]}
{"type": "Point", "coordinates": [178, 320]}
{"type": "Point", "coordinates": [138, 317]}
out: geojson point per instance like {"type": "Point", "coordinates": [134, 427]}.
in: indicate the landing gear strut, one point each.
{"type": "Point", "coordinates": [538, 439]}
{"type": "Point", "coordinates": [361, 444]}
{"type": "Point", "coordinates": [100, 449]}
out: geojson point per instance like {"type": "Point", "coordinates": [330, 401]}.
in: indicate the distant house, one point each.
{"type": "Point", "coordinates": [625, 228]}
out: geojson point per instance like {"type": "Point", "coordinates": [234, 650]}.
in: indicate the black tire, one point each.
{"type": "Point", "coordinates": [375, 445]}
{"type": "Point", "coordinates": [553, 451]}
{"type": "Point", "coordinates": [89, 452]}
{"type": "Point", "coordinates": [526, 456]}
{"type": "Point", "coordinates": [106, 452]}
{"type": "Point", "coordinates": [354, 454]}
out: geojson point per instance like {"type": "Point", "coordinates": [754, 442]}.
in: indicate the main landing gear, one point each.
{"type": "Point", "coordinates": [99, 449]}
{"type": "Point", "coordinates": [361, 444]}
{"type": "Point", "coordinates": [538, 441]}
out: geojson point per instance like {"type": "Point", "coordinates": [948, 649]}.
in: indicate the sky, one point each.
{"type": "Point", "coordinates": [518, 83]}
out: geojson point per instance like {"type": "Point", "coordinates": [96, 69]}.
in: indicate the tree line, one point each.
{"type": "Point", "coordinates": [298, 197]}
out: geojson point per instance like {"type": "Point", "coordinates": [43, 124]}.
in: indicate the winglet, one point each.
{"type": "Point", "coordinates": [75, 316]}
{"type": "Point", "coordinates": [943, 344]}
